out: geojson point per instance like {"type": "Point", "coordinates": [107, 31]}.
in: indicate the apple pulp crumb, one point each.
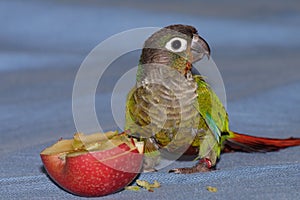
{"type": "Point", "coordinates": [133, 188]}
{"type": "Point", "coordinates": [143, 184]}
{"type": "Point", "coordinates": [148, 186]}
{"type": "Point", "coordinates": [211, 189]}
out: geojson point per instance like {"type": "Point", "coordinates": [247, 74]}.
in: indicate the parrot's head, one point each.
{"type": "Point", "coordinates": [176, 46]}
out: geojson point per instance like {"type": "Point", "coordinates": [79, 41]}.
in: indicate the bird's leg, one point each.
{"type": "Point", "coordinates": [150, 162]}
{"type": "Point", "coordinates": [204, 165]}
{"type": "Point", "coordinates": [151, 155]}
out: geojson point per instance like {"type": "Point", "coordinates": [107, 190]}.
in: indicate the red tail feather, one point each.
{"type": "Point", "coordinates": [247, 143]}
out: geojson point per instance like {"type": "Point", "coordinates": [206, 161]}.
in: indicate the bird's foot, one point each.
{"type": "Point", "coordinates": [204, 165]}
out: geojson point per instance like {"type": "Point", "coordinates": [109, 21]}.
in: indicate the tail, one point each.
{"type": "Point", "coordinates": [247, 143]}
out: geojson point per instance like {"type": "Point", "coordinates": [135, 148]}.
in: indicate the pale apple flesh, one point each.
{"type": "Point", "coordinates": [94, 165]}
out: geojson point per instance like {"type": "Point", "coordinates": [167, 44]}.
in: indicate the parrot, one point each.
{"type": "Point", "coordinates": [174, 110]}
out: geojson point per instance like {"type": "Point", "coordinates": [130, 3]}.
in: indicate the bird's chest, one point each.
{"type": "Point", "coordinates": [169, 103]}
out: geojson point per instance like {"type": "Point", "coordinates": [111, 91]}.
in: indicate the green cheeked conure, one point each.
{"type": "Point", "coordinates": [176, 112]}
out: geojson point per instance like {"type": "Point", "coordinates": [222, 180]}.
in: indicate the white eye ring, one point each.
{"type": "Point", "coordinates": [176, 44]}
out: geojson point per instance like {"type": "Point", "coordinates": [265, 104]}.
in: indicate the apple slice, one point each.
{"type": "Point", "coordinates": [94, 165]}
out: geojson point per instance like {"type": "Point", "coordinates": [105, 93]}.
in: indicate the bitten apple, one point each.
{"type": "Point", "coordinates": [94, 165]}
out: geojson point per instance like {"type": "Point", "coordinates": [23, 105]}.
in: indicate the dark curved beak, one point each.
{"type": "Point", "coordinates": [199, 48]}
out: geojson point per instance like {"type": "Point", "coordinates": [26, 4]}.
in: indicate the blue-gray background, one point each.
{"type": "Point", "coordinates": [255, 44]}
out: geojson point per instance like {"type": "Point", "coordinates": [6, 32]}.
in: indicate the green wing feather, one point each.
{"type": "Point", "coordinates": [210, 107]}
{"type": "Point", "coordinates": [213, 112]}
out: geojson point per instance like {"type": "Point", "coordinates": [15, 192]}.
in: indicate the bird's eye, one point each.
{"type": "Point", "coordinates": [176, 44]}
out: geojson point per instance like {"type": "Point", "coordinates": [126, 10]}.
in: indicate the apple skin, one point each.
{"type": "Point", "coordinates": [94, 174]}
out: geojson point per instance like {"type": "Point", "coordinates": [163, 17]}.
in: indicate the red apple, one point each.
{"type": "Point", "coordinates": [94, 165]}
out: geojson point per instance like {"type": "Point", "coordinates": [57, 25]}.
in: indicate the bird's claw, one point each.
{"type": "Point", "coordinates": [204, 165]}
{"type": "Point", "coordinates": [177, 170]}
